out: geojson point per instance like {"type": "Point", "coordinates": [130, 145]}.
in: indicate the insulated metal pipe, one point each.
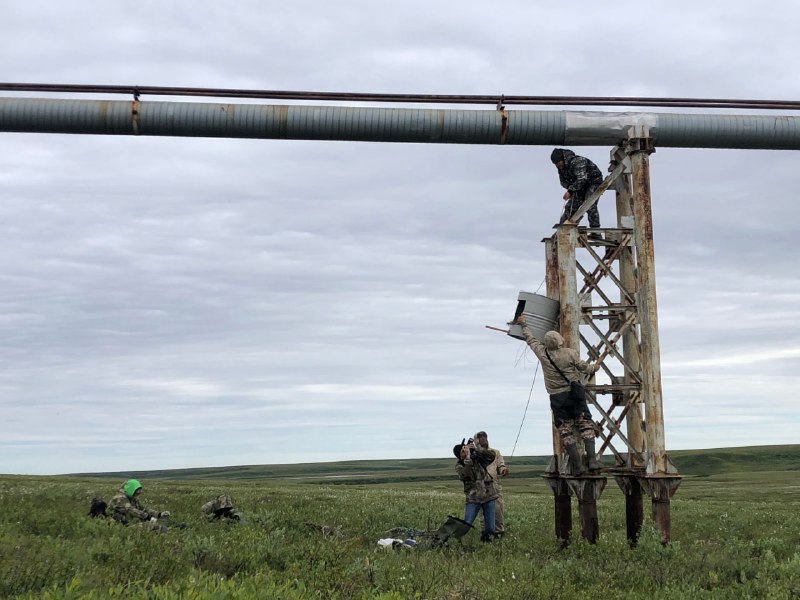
{"type": "Point", "coordinates": [370, 124]}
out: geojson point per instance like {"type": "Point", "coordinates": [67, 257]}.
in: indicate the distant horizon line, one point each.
{"type": "Point", "coordinates": [542, 457]}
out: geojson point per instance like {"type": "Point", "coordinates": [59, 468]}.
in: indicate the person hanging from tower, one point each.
{"type": "Point", "coordinates": [561, 366]}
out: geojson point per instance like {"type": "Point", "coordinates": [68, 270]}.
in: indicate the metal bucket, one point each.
{"type": "Point", "coordinates": [541, 314]}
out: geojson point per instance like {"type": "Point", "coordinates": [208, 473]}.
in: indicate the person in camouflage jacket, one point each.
{"type": "Point", "coordinates": [480, 490]}
{"type": "Point", "coordinates": [580, 177]}
{"type": "Point", "coordinates": [220, 507]}
{"type": "Point", "coordinates": [567, 412]}
{"type": "Point", "coordinates": [126, 507]}
{"type": "Point", "coordinates": [496, 469]}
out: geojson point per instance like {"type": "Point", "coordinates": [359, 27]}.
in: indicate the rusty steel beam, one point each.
{"type": "Point", "coordinates": [495, 99]}
{"type": "Point", "coordinates": [570, 309]}
{"type": "Point", "coordinates": [552, 291]}
{"type": "Point", "coordinates": [661, 479]}
{"type": "Point", "coordinates": [639, 149]}
{"type": "Point", "coordinates": [570, 315]}
{"type": "Point", "coordinates": [630, 340]}
{"type": "Point", "coordinates": [562, 501]}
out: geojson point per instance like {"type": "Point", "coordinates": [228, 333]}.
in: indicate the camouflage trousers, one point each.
{"type": "Point", "coordinates": [566, 430]}
{"type": "Point", "coordinates": [575, 201]}
{"type": "Point", "coordinates": [568, 414]}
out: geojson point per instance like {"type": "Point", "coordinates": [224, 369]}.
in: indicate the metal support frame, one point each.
{"type": "Point", "coordinates": [562, 286]}
{"type": "Point", "coordinates": [613, 315]}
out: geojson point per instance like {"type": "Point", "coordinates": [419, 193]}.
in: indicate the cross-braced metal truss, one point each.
{"type": "Point", "coordinates": [608, 313]}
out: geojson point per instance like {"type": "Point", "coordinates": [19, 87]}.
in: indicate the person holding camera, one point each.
{"type": "Point", "coordinates": [561, 366]}
{"type": "Point", "coordinates": [497, 469]}
{"type": "Point", "coordinates": [480, 491]}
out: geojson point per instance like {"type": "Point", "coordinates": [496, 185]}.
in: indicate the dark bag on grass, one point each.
{"type": "Point", "coordinates": [98, 507]}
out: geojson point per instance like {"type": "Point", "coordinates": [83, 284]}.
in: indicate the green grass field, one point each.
{"type": "Point", "coordinates": [735, 531]}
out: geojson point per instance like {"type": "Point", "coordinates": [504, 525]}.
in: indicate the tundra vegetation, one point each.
{"type": "Point", "coordinates": [311, 531]}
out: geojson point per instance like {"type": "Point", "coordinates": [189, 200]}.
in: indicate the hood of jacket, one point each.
{"type": "Point", "coordinates": [553, 340]}
{"type": "Point", "coordinates": [561, 154]}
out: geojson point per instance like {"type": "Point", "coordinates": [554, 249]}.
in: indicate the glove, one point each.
{"type": "Point", "coordinates": [163, 514]}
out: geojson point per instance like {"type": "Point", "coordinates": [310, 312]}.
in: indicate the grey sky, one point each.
{"type": "Point", "coordinates": [200, 302]}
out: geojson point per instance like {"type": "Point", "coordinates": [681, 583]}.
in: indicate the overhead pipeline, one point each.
{"type": "Point", "coordinates": [378, 124]}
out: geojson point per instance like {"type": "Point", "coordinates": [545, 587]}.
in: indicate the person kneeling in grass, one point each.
{"type": "Point", "coordinates": [126, 508]}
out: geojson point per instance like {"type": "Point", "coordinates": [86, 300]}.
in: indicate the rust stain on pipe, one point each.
{"type": "Point", "coordinates": [283, 119]}
{"type": "Point", "coordinates": [135, 116]}
{"type": "Point", "coordinates": [103, 112]}
{"type": "Point", "coordinates": [503, 122]}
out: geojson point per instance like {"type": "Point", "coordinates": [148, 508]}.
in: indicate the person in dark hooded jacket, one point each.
{"type": "Point", "coordinates": [580, 177]}
{"type": "Point", "coordinates": [567, 412]}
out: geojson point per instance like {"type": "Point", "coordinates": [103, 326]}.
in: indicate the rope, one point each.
{"type": "Point", "coordinates": [540, 286]}
{"type": "Point", "coordinates": [530, 393]}
{"type": "Point", "coordinates": [526, 410]}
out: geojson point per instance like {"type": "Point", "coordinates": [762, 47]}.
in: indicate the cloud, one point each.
{"type": "Point", "coordinates": [175, 302]}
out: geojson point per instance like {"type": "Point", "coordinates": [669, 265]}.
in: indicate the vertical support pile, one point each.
{"type": "Point", "coordinates": [634, 506]}
{"type": "Point", "coordinates": [660, 480]}
{"type": "Point", "coordinates": [562, 499]}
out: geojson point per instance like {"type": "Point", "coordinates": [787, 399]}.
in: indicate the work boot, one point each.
{"type": "Point", "coordinates": [575, 459]}
{"type": "Point", "coordinates": [591, 457]}
{"type": "Point", "coordinates": [596, 235]}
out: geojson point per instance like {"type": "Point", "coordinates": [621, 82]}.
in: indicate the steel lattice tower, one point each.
{"type": "Point", "coordinates": [607, 296]}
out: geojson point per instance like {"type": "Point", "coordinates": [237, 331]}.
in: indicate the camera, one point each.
{"type": "Point", "coordinates": [472, 452]}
